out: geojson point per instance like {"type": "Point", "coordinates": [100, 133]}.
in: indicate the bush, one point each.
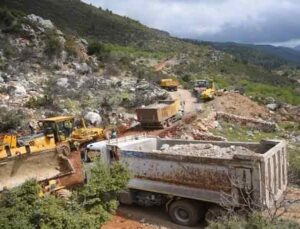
{"type": "Point", "coordinates": [253, 221]}
{"type": "Point", "coordinates": [37, 102]}
{"type": "Point", "coordinates": [11, 119]}
{"type": "Point", "coordinates": [71, 47]}
{"type": "Point", "coordinates": [53, 45]}
{"type": "Point", "coordinates": [8, 50]}
{"type": "Point", "coordinates": [89, 207]}
{"type": "Point", "coordinates": [98, 49]}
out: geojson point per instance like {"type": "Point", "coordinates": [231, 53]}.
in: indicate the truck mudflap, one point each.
{"type": "Point", "coordinates": [41, 166]}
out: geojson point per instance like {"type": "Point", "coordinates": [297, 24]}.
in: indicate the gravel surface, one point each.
{"type": "Point", "coordinates": [204, 150]}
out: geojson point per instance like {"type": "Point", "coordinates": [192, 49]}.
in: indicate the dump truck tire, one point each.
{"type": "Point", "coordinates": [186, 213]}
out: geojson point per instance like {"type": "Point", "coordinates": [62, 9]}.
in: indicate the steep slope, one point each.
{"type": "Point", "coordinates": [86, 20]}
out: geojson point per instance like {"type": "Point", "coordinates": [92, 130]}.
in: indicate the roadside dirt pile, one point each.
{"type": "Point", "coordinates": [205, 150]}
{"type": "Point", "coordinates": [240, 105]}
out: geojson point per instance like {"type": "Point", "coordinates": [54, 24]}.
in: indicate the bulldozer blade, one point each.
{"type": "Point", "coordinates": [40, 166]}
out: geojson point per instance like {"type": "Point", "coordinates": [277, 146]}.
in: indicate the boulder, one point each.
{"type": "Point", "coordinates": [272, 106]}
{"type": "Point", "coordinates": [63, 82]}
{"type": "Point", "coordinates": [94, 118]}
{"type": "Point", "coordinates": [17, 90]}
{"type": "Point", "coordinates": [39, 21]}
{"type": "Point", "coordinates": [82, 68]}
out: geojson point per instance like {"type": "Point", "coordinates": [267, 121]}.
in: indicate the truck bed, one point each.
{"type": "Point", "coordinates": [262, 173]}
{"type": "Point", "coordinates": [156, 114]}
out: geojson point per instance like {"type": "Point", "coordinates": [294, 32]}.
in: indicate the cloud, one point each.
{"type": "Point", "coordinates": [255, 21]}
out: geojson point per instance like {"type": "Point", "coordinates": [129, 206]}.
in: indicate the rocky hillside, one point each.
{"type": "Point", "coordinates": [43, 72]}
{"type": "Point", "coordinates": [45, 69]}
{"type": "Point", "coordinates": [95, 23]}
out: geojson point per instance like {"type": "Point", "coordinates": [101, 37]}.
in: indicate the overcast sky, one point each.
{"type": "Point", "coordinates": [274, 22]}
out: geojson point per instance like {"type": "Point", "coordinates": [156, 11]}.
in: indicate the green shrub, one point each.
{"type": "Point", "coordinates": [71, 47]}
{"type": "Point", "coordinates": [37, 102]}
{"type": "Point", "coordinates": [88, 208]}
{"type": "Point", "coordinates": [53, 45]}
{"type": "Point", "coordinates": [11, 119]}
{"type": "Point", "coordinates": [98, 49]}
{"type": "Point", "coordinates": [8, 50]}
{"type": "Point", "coordinates": [253, 221]}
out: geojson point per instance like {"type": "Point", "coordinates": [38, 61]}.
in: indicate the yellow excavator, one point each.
{"type": "Point", "coordinates": [51, 154]}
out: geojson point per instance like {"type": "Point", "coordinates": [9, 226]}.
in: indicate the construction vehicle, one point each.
{"type": "Point", "coordinates": [169, 84]}
{"type": "Point", "coordinates": [47, 155]}
{"type": "Point", "coordinates": [161, 114]}
{"type": "Point", "coordinates": [198, 185]}
{"type": "Point", "coordinates": [205, 89]}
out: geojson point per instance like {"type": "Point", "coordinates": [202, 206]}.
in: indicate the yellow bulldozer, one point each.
{"type": "Point", "coordinates": [205, 89]}
{"type": "Point", "coordinates": [51, 154]}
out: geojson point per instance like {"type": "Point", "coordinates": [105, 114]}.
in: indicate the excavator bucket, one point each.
{"type": "Point", "coordinates": [42, 166]}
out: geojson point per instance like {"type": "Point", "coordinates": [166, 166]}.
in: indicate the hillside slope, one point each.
{"type": "Point", "coordinates": [134, 49]}
{"type": "Point", "coordinates": [86, 20]}
{"type": "Point", "coordinates": [266, 55]}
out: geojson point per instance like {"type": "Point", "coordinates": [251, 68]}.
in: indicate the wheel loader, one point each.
{"type": "Point", "coordinates": [52, 154]}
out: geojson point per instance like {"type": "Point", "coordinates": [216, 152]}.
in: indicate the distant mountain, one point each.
{"type": "Point", "coordinates": [297, 48]}
{"type": "Point", "coordinates": [265, 55]}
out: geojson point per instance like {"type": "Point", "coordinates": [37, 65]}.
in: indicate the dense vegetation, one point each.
{"type": "Point", "coordinates": [89, 207]}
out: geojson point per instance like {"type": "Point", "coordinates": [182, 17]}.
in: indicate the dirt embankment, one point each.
{"type": "Point", "coordinates": [240, 105]}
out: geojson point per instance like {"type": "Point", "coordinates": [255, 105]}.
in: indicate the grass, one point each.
{"type": "Point", "coordinates": [236, 133]}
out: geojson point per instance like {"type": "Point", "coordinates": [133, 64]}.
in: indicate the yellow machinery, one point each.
{"type": "Point", "coordinates": [169, 84]}
{"type": "Point", "coordinates": [45, 155]}
{"type": "Point", "coordinates": [205, 89]}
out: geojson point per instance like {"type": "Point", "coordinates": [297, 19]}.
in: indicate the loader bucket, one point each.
{"type": "Point", "coordinates": [40, 166]}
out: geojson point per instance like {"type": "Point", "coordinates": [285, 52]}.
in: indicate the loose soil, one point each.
{"type": "Point", "coordinates": [234, 103]}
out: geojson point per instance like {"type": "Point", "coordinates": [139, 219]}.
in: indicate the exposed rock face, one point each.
{"type": "Point", "coordinates": [70, 82]}
{"type": "Point", "coordinates": [42, 23]}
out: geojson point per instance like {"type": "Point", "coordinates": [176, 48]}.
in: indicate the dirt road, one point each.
{"type": "Point", "coordinates": [191, 104]}
{"type": "Point", "coordinates": [135, 217]}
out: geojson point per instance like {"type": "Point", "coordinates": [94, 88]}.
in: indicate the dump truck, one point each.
{"type": "Point", "coordinates": [161, 114]}
{"type": "Point", "coordinates": [169, 84]}
{"type": "Point", "coordinates": [196, 180]}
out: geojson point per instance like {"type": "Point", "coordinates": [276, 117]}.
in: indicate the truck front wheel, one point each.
{"type": "Point", "coordinates": [186, 213]}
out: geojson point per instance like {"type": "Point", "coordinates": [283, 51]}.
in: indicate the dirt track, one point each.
{"type": "Point", "coordinates": [135, 217]}
{"type": "Point", "coordinates": [186, 96]}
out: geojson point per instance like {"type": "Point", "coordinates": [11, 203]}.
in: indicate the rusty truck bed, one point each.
{"type": "Point", "coordinates": [263, 174]}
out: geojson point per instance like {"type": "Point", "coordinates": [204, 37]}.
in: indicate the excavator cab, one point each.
{"type": "Point", "coordinates": [60, 128]}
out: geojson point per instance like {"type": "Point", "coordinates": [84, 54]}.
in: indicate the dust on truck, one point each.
{"type": "Point", "coordinates": [161, 114]}
{"type": "Point", "coordinates": [196, 186]}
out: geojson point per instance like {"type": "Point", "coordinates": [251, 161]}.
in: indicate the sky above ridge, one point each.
{"type": "Point", "coordinates": [275, 22]}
